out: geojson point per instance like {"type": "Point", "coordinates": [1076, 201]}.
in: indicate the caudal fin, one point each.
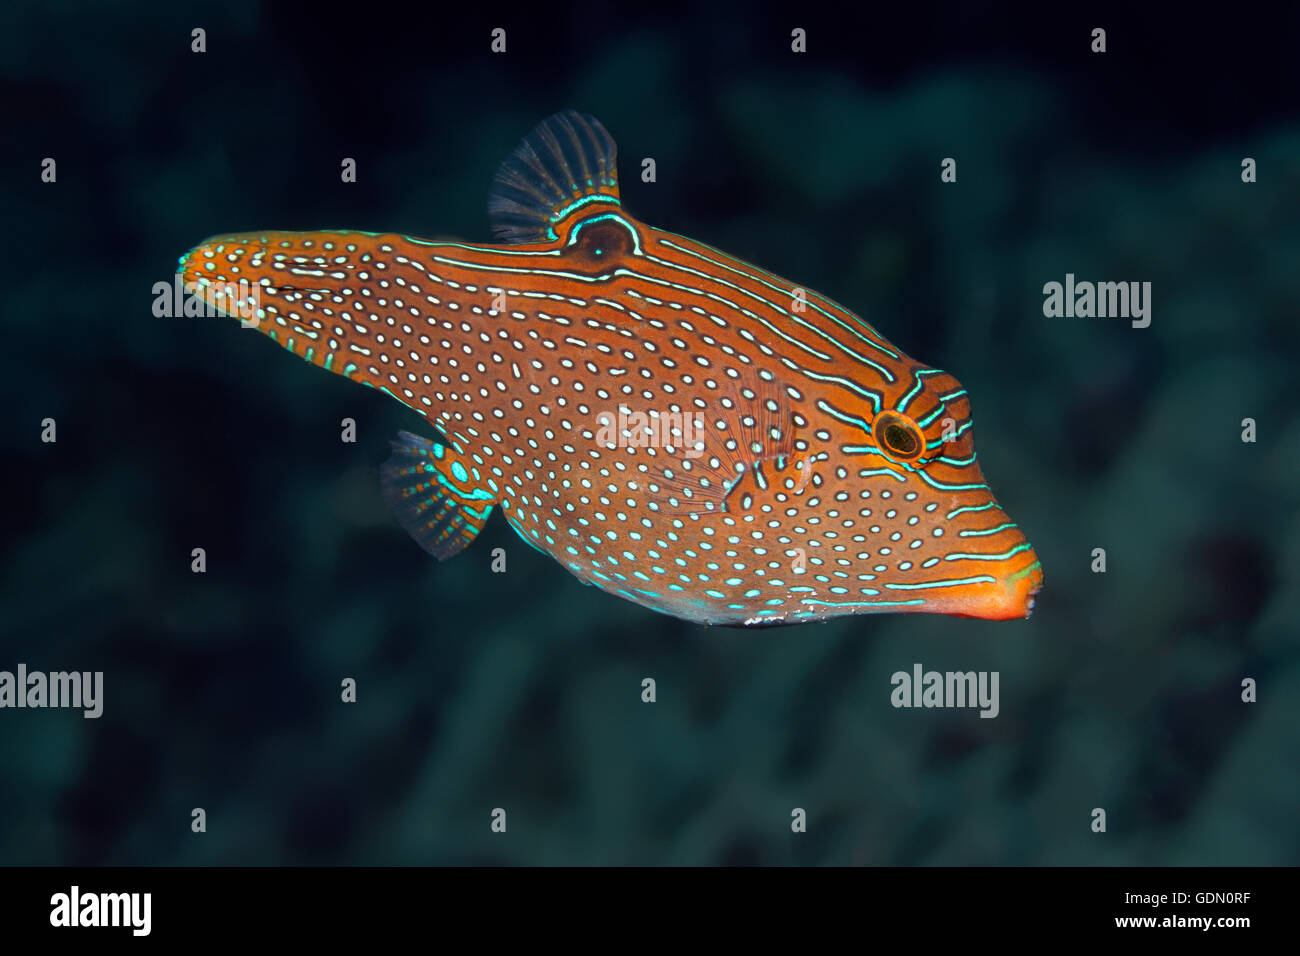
{"type": "Point", "coordinates": [321, 295]}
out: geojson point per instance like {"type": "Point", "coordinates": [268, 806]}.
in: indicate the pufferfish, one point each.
{"type": "Point", "coordinates": [672, 424]}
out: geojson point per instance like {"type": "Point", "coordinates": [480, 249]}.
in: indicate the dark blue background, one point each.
{"type": "Point", "coordinates": [521, 690]}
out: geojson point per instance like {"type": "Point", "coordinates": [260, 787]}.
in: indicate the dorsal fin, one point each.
{"type": "Point", "coordinates": [567, 160]}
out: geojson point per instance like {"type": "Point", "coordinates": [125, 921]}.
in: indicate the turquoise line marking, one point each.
{"type": "Point", "coordinates": [867, 393]}
{"type": "Point", "coordinates": [924, 422]}
{"type": "Point", "coordinates": [636, 239]}
{"type": "Point", "coordinates": [560, 214]}
{"type": "Point", "coordinates": [606, 276]}
{"type": "Point", "coordinates": [946, 583]}
{"type": "Point", "coordinates": [955, 435]}
{"type": "Point", "coordinates": [560, 273]}
{"type": "Point", "coordinates": [988, 557]}
{"type": "Point", "coordinates": [845, 417]}
{"type": "Point", "coordinates": [953, 514]}
{"type": "Point", "coordinates": [471, 247]}
{"type": "Point", "coordinates": [785, 313]}
{"type": "Point", "coordinates": [915, 390]}
{"type": "Point", "coordinates": [873, 450]}
{"type": "Point", "coordinates": [912, 603]}
{"type": "Point", "coordinates": [883, 471]}
{"type": "Point", "coordinates": [985, 531]}
{"type": "Point", "coordinates": [944, 486]}
{"type": "Point", "coordinates": [776, 288]}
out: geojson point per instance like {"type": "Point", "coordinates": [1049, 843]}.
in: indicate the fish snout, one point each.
{"type": "Point", "coordinates": [1006, 592]}
{"type": "Point", "coordinates": [999, 570]}
{"type": "Point", "coordinates": [1016, 590]}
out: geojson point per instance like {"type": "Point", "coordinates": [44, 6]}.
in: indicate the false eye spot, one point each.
{"type": "Point", "coordinates": [602, 240]}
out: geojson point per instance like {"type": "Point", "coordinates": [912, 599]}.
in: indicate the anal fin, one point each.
{"type": "Point", "coordinates": [435, 495]}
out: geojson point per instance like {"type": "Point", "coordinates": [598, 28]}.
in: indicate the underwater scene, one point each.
{"type": "Point", "coordinates": [791, 436]}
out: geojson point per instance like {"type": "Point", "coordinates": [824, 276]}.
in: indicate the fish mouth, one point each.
{"type": "Point", "coordinates": [1026, 583]}
{"type": "Point", "coordinates": [1012, 596]}
{"type": "Point", "coordinates": [1003, 595]}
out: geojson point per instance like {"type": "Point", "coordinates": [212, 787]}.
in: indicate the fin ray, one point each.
{"type": "Point", "coordinates": [433, 494]}
{"type": "Point", "coordinates": [751, 446]}
{"type": "Point", "coordinates": [568, 158]}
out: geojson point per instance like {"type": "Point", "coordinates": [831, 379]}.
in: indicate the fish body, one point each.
{"type": "Point", "coordinates": [672, 424]}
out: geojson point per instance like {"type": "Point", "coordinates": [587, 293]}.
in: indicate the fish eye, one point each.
{"type": "Point", "coordinates": [898, 436]}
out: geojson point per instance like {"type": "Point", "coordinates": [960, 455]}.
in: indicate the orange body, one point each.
{"type": "Point", "coordinates": [673, 425]}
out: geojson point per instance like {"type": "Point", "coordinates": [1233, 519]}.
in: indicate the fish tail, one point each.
{"type": "Point", "coordinates": [318, 294]}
